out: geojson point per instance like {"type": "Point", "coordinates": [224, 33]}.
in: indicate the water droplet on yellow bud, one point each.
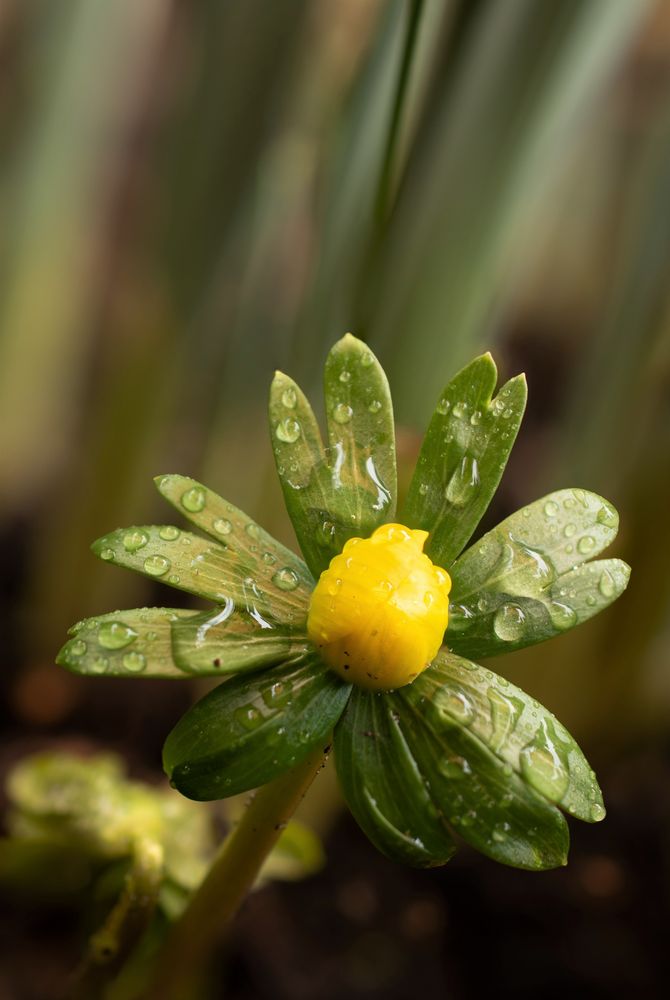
{"type": "Point", "coordinates": [379, 612]}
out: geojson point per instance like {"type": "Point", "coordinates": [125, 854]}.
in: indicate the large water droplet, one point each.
{"type": "Point", "coordinates": [454, 703]}
{"type": "Point", "coordinates": [222, 526]}
{"type": "Point", "coordinates": [77, 647]}
{"type": "Point", "coordinates": [194, 499]}
{"type": "Point", "coordinates": [248, 717]}
{"type": "Point", "coordinates": [289, 398]}
{"type": "Point", "coordinates": [586, 544]}
{"type": "Point", "coordinates": [562, 615]}
{"type": "Point", "coordinates": [443, 407]}
{"type": "Point", "coordinates": [501, 832]}
{"type": "Point", "coordinates": [115, 635]}
{"type": "Point", "coordinates": [464, 481]}
{"type": "Point", "coordinates": [570, 529]}
{"type": "Point", "coordinates": [367, 359]}
{"type": "Point", "coordinates": [156, 565]}
{"type": "Point", "coordinates": [345, 376]}
{"type": "Point", "coordinates": [606, 584]}
{"type": "Point", "coordinates": [285, 579]}
{"type": "Point", "coordinates": [505, 713]}
{"type": "Point", "coordinates": [551, 508]}
{"type": "Point", "coordinates": [607, 517]}
{"type": "Point", "coordinates": [375, 406]}
{"type": "Point", "coordinates": [134, 540]}
{"type": "Point", "coordinates": [288, 430]}
{"type": "Point", "coordinates": [342, 413]}
{"type": "Point", "coordinates": [597, 812]}
{"type": "Point", "coordinates": [252, 530]}
{"type": "Point", "coordinates": [134, 662]}
{"type": "Point", "coordinates": [460, 410]}
{"type": "Point", "coordinates": [543, 766]}
{"type": "Point", "coordinates": [107, 554]}
{"type": "Point", "coordinates": [509, 622]}
{"type": "Point", "coordinates": [455, 767]}
{"type": "Point", "coordinates": [277, 695]}
{"type": "Point", "coordinates": [168, 533]}
{"type": "Point", "coordinates": [460, 617]}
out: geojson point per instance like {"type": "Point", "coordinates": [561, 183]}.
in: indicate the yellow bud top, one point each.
{"type": "Point", "coordinates": [380, 610]}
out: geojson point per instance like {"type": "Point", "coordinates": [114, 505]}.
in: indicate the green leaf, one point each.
{"type": "Point", "coordinates": [350, 488]}
{"type": "Point", "coordinates": [251, 728]}
{"type": "Point", "coordinates": [297, 854]}
{"type": "Point", "coordinates": [269, 592]}
{"type": "Point", "coordinates": [135, 643]}
{"type": "Point", "coordinates": [228, 640]}
{"type": "Point", "coordinates": [463, 457]}
{"type": "Point", "coordinates": [478, 791]}
{"type": "Point", "coordinates": [528, 579]}
{"type": "Point", "coordinates": [383, 785]}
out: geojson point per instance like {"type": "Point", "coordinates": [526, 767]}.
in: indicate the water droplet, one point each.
{"type": "Point", "coordinates": [115, 635]}
{"type": "Point", "coordinates": [464, 481]}
{"type": "Point", "coordinates": [500, 832]}
{"type": "Point", "coordinates": [459, 617]}
{"type": "Point", "coordinates": [562, 615]}
{"type": "Point", "coordinates": [569, 503]}
{"type": "Point", "coordinates": [342, 413]}
{"type": "Point", "coordinates": [455, 767]}
{"type": "Point", "coordinates": [252, 530]}
{"type": "Point", "coordinates": [597, 812]}
{"type": "Point", "coordinates": [174, 579]}
{"type": "Point", "coordinates": [570, 529]}
{"type": "Point", "coordinates": [505, 713]}
{"type": "Point", "coordinates": [107, 554]}
{"type": "Point", "coordinates": [134, 662]}
{"type": "Point", "coordinates": [454, 703]}
{"type": "Point", "coordinates": [606, 584]}
{"type": "Point", "coordinates": [367, 359]}
{"type": "Point", "coordinates": [134, 540]}
{"type": "Point", "coordinates": [476, 418]}
{"type": "Point", "coordinates": [222, 526]}
{"type": "Point", "coordinates": [78, 647]}
{"type": "Point", "coordinates": [248, 717]}
{"type": "Point", "coordinates": [269, 558]}
{"type": "Point", "coordinates": [277, 695]}
{"type": "Point", "coordinates": [586, 544]}
{"type": "Point", "coordinates": [460, 410]}
{"type": "Point", "coordinates": [607, 517]}
{"type": "Point", "coordinates": [509, 622]}
{"type": "Point", "coordinates": [194, 499]}
{"type": "Point", "coordinates": [99, 664]}
{"type": "Point", "coordinates": [551, 508]}
{"type": "Point", "coordinates": [326, 533]}
{"type": "Point", "coordinates": [543, 768]}
{"type": "Point", "coordinates": [168, 532]}
{"type": "Point", "coordinates": [443, 407]}
{"type": "Point", "coordinates": [591, 601]}
{"type": "Point", "coordinates": [285, 579]}
{"type": "Point", "coordinates": [289, 398]}
{"type": "Point", "coordinates": [345, 376]}
{"type": "Point", "coordinates": [288, 430]}
{"type": "Point", "coordinates": [423, 489]}
{"type": "Point", "coordinates": [156, 565]}
{"type": "Point", "coordinates": [375, 406]}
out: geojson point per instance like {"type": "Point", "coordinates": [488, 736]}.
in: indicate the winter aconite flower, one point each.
{"type": "Point", "coordinates": [428, 743]}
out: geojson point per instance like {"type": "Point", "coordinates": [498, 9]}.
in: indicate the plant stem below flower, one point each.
{"type": "Point", "coordinates": [230, 878]}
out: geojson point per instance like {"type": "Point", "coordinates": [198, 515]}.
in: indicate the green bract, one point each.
{"type": "Point", "coordinates": [458, 751]}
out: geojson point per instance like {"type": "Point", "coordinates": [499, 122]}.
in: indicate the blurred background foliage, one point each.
{"type": "Point", "coordinates": [193, 195]}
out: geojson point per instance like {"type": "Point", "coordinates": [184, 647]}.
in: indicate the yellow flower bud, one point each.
{"type": "Point", "coordinates": [379, 612]}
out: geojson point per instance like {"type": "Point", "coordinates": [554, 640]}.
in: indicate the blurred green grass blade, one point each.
{"type": "Point", "coordinates": [136, 643]}
{"type": "Point", "coordinates": [251, 728]}
{"type": "Point", "coordinates": [484, 154]}
{"type": "Point", "coordinates": [384, 787]}
{"type": "Point", "coordinates": [463, 457]}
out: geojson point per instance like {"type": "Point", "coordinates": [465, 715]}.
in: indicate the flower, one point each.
{"type": "Point", "coordinates": [427, 742]}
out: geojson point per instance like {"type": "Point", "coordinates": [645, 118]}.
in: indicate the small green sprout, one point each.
{"type": "Point", "coordinates": [447, 747]}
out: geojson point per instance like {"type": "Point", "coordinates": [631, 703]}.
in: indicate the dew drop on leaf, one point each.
{"type": "Point", "coordinates": [509, 622]}
{"type": "Point", "coordinates": [345, 376]}
{"type": "Point", "coordinates": [443, 407]}
{"type": "Point", "coordinates": [168, 533]}
{"type": "Point", "coordinates": [551, 508]}
{"type": "Point", "coordinates": [562, 615]}
{"type": "Point", "coordinates": [459, 617]}
{"type": "Point", "coordinates": [454, 703]}
{"type": "Point", "coordinates": [289, 398]}
{"type": "Point", "coordinates": [193, 500]}
{"type": "Point", "coordinates": [222, 526]}
{"type": "Point", "coordinates": [342, 413]}
{"type": "Point", "coordinates": [248, 717]}
{"type": "Point", "coordinates": [107, 554]}
{"type": "Point", "coordinates": [288, 430]}
{"type": "Point", "coordinates": [367, 358]}
{"type": "Point", "coordinates": [543, 768]}
{"type": "Point", "coordinates": [115, 635]}
{"type": "Point", "coordinates": [252, 530]}
{"type": "Point", "coordinates": [455, 767]}
{"type": "Point", "coordinates": [99, 664]}
{"type": "Point", "coordinates": [134, 662]}
{"type": "Point", "coordinates": [586, 544]}
{"type": "Point", "coordinates": [375, 406]}
{"type": "Point", "coordinates": [597, 812]}
{"type": "Point", "coordinates": [570, 529]}
{"type": "Point", "coordinates": [464, 481]}
{"type": "Point", "coordinates": [134, 540]}
{"type": "Point", "coordinates": [78, 647]}
{"type": "Point", "coordinates": [606, 584]}
{"type": "Point", "coordinates": [156, 565]}
{"type": "Point", "coordinates": [285, 579]}
{"type": "Point", "coordinates": [607, 517]}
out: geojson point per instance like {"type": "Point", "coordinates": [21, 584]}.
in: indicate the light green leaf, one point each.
{"type": "Point", "coordinates": [350, 488]}
{"type": "Point", "coordinates": [480, 794]}
{"type": "Point", "coordinates": [269, 592]}
{"type": "Point", "coordinates": [297, 853]}
{"type": "Point", "coordinates": [528, 579]}
{"type": "Point", "coordinates": [384, 787]}
{"type": "Point", "coordinates": [229, 640]}
{"type": "Point", "coordinates": [251, 728]}
{"type": "Point", "coordinates": [463, 457]}
{"type": "Point", "coordinates": [135, 643]}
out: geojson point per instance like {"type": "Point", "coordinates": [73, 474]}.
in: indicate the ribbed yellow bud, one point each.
{"type": "Point", "coordinates": [379, 612]}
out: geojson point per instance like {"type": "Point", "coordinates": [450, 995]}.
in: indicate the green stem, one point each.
{"type": "Point", "coordinates": [383, 198]}
{"type": "Point", "coordinates": [231, 876]}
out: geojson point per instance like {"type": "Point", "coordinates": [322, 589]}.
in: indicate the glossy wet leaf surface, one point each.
{"type": "Point", "coordinates": [463, 457]}
{"type": "Point", "coordinates": [349, 488]}
{"type": "Point", "coordinates": [384, 787]}
{"type": "Point", "coordinates": [136, 643]}
{"type": "Point", "coordinates": [481, 796]}
{"type": "Point", "coordinates": [252, 728]}
{"type": "Point", "coordinates": [529, 579]}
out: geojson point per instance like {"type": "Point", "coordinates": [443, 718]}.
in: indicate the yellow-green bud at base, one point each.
{"type": "Point", "coordinates": [379, 612]}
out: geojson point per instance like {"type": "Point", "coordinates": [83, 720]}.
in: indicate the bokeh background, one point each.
{"type": "Point", "coordinates": [195, 194]}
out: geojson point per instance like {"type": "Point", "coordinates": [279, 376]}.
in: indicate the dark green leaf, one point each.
{"type": "Point", "coordinates": [528, 579]}
{"type": "Point", "coordinates": [270, 592]}
{"type": "Point", "coordinates": [480, 795]}
{"type": "Point", "coordinates": [135, 643]}
{"type": "Point", "coordinates": [463, 457]}
{"type": "Point", "coordinates": [253, 727]}
{"type": "Point", "coordinates": [228, 640]}
{"type": "Point", "coordinates": [383, 785]}
{"type": "Point", "coordinates": [350, 488]}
